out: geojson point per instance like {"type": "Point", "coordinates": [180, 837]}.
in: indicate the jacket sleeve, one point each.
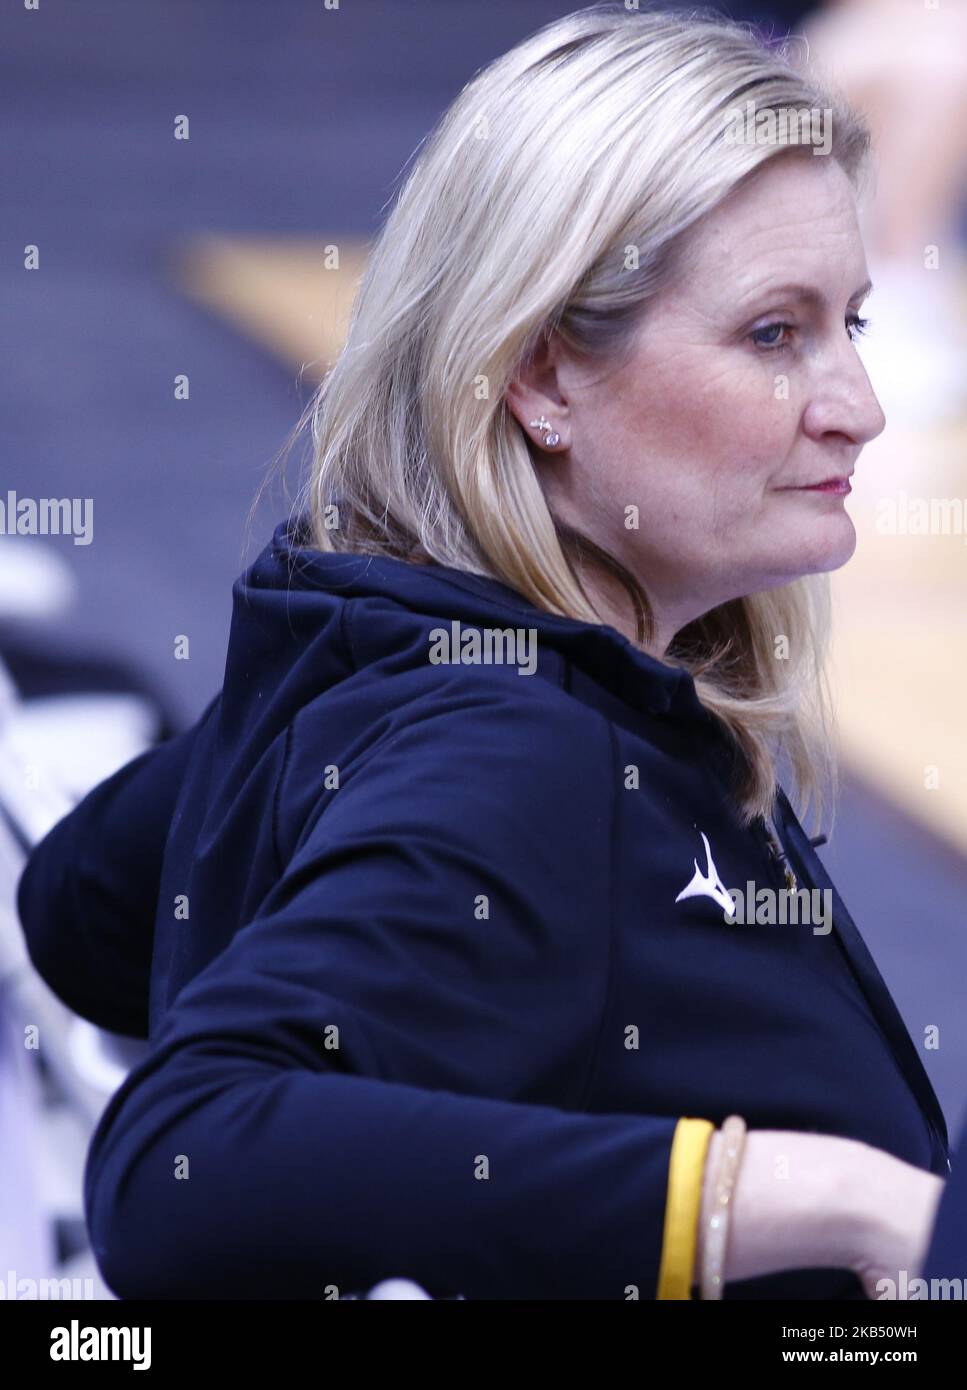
{"type": "Point", "coordinates": [88, 892]}
{"type": "Point", "coordinates": [382, 1073]}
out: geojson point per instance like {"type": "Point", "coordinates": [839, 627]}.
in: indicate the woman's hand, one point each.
{"type": "Point", "coordinates": [810, 1201]}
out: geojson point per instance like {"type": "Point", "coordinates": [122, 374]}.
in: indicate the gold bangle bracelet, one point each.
{"type": "Point", "coordinates": [717, 1231]}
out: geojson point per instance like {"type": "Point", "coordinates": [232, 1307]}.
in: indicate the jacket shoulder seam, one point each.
{"type": "Point", "coordinates": [277, 798]}
{"type": "Point", "coordinates": [345, 634]}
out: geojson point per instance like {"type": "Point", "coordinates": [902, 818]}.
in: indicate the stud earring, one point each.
{"type": "Point", "coordinates": [551, 436]}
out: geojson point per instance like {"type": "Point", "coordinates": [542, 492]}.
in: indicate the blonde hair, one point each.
{"type": "Point", "coordinates": [602, 131]}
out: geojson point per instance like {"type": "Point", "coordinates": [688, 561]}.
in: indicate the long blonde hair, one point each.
{"type": "Point", "coordinates": [602, 131]}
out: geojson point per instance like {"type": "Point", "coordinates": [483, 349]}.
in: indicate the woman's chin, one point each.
{"type": "Point", "coordinates": [837, 542]}
{"type": "Point", "coordinates": [828, 547]}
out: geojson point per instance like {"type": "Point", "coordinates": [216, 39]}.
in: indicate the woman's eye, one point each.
{"type": "Point", "coordinates": [775, 336]}
{"type": "Point", "coordinates": [769, 336]}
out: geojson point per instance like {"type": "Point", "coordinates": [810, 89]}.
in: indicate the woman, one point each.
{"type": "Point", "coordinates": [429, 918]}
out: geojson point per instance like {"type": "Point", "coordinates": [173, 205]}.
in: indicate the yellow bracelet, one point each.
{"type": "Point", "coordinates": [686, 1166]}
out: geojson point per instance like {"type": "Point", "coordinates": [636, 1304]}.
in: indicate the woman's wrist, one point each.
{"type": "Point", "coordinates": [798, 1203]}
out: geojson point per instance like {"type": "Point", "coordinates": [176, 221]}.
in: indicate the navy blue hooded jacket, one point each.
{"type": "Point", "coordinates": [408, 939]}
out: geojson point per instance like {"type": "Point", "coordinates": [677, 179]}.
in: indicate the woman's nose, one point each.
{"type": "Point", "coordinates": [844, 402]}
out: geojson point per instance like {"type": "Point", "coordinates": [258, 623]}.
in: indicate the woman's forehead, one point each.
{"type": "Point", "coordinates": [779, 225]}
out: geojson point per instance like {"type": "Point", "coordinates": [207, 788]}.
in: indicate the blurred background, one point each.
{"type": "Point", "coordinates": [169, 303]}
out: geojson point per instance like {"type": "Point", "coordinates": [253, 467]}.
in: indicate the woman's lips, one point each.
{"type": "Point", "coordinates": [840, 487]}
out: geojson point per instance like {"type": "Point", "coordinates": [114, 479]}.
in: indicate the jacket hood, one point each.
{"type": "Point", "coordinates": [293, 595]}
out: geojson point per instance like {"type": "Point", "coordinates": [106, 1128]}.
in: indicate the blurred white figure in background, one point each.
{"type": "Point", "coordinates": [53, 750]}
{"type": "Point", "coordinates": [903, 63]}
{"type": "Point", "coordinates": [397, 1289]}
{"type": "Point", "coordinates": [35, 583]}
{"type": "Point", "coordinates": [26, 1232]}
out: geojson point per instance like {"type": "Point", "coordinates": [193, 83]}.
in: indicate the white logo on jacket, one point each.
{"type": "Point", "coordinates": [709, 884]}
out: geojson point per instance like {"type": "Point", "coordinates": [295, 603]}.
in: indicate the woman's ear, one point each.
{"type": "Point", "coordinates": [535, 402]}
